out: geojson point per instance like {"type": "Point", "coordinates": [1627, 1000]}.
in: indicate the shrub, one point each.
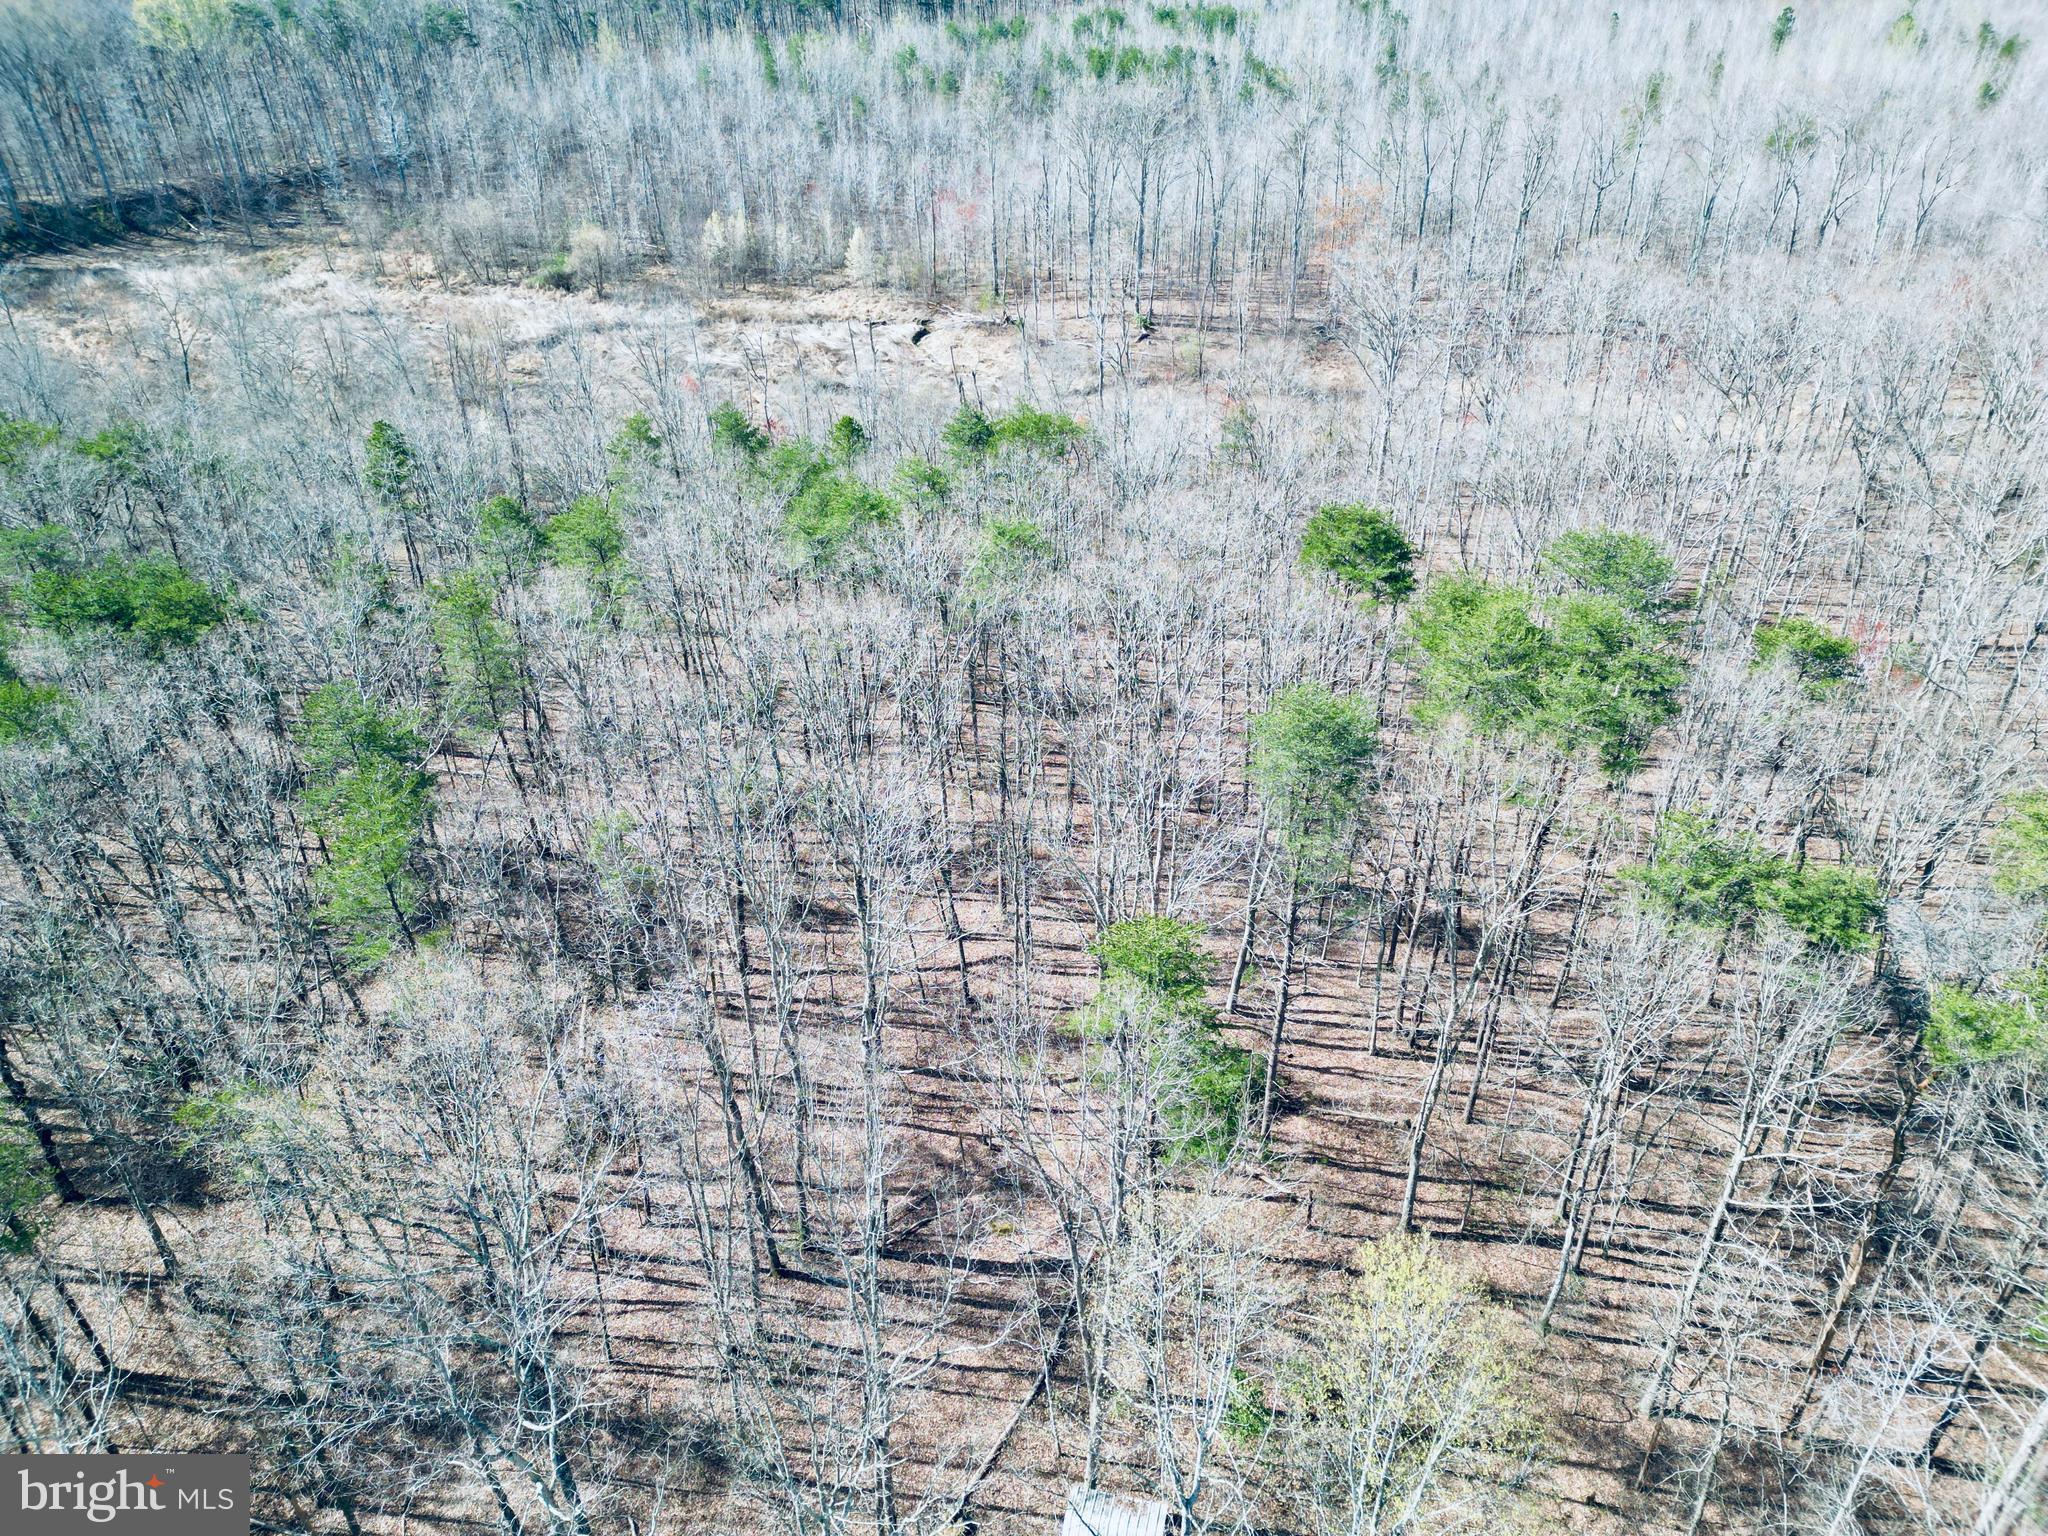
{"type": "Point", "coordinates": [1161, 954]}
{"type": "Point", "coordinates": [971, 434]}
{"type": "Point", "coordinates": [1206, 1084]}
{"type": "Point", "coordinates": [554, 275]}
{"type": "Point", "coordinates": [1831, 908]}
{"type": "Point", "coordinates": [1153, 976]}
{"type": "Point", "coordinates": [834, 510]}
{"type": "Point", "coordinates": [389, 466]}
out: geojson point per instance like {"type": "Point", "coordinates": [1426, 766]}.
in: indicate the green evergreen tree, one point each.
{"type": "Point", "coordinates": [969, 435]}
{"type": "Point", "coordinates": [847, 441]}
{"type": "Point", "coordinates": [731, 431]}
{"type": "Point", "coordinates": [1364, 548]}
{"type": "Point", "coordinates": [634, 449]}
{"type": "Point", "coordinates": [1311, 749]}
{"type": "Point", "coordinates": [589, 536]}
{"type": "Point", "coordinates": [1821, 659]}
{"type": "Point", "coordinates": [368, 798]}
{"type": "Point", "coordinates": [2019, 848]}
{"type": "Point", "coordinates": [1701, 875]}
{"type": "Point", "coordinates": [1154, 973]}
{"type": "Point", "coordinates": [1626, 567]}
{"type": "Point", "coordinates": [480, 656]}
{"type": "Point", "coordinates": [507, 537]}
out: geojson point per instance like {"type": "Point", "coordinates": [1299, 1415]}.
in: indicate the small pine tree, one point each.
{"type": "Point", "coordinates": [969, 435]}
{"type": "Point", "coordinates": [367, 797]}
{"type": "Point", "coordinates": [847, 441]}
{"type": "Point", "coordinates": [731, 431]}
{"type": "Point", "coordinates": [480, 656]}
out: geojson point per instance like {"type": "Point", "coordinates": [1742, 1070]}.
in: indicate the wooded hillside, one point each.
{"type": "Point", "coordinates": [812, 770]}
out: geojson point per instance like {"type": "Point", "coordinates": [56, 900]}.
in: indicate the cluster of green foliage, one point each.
{"type": "Point", "coordinates": [589, 536]}
{"type": "Point", "coordinates": [847, 441]}
{"type": "Point", "coordinates": [1630, 569]}
{"type": "Point", "coordinates": [972, 434]}
{"type": "Point", "coordinates": [1212, 21]}
{"type": "Point", "coordinates": [1011, 551]}
{"type": "Point", "coordinates": [507, 538]}
{"type": "Point", "coordinates": [1984, 1020]}
{"type": "Point", "coordinates": [1821, 659]}
{"type": "Point", "coordinates": [826, 510]}
{"type": "Point", "coordinates": [1975, 1025]}
{"type": "Point", "coordinates": [634, 449]}
{"type": "Point", "coordinates": [2001, 55]}
{"type": "Point", "coordinates": [1597, 666]}
{"type": "Point", "coordinates": [121, 448]}
{"type": "Point", "coordinates": [2019, 849]}
{"type": "Point", "coordinates": [1311, 750]}
{"type": "Point", "coordinates": [1153, 977]}
{"type": "Point", "coordinates": [151, 600]}
{"type": "Point", "coordinates": [235, 1127]}
{"type": "Point", "coordinates": [29, 712]}
{"type": "Point", "coordinates": [909, 73]}
{"type": "Point", "coordinates": [554, 274]}
{"type": "Point", "coordinates": [982, 34]}
{"type": "Point", "coordinates": [25, 1184]}
{"type": "Point", "coordinates": [1103, 23]}
{"type": "Point", "coordinates": [20, 438]}
{"type": "Point", "coordinates": [1407, 1371]}
{"type": "Point", "coordinates": [367, 796]}
{"type": "Point", "coordinates": [1364, 548]}
{"type": "Point", "coordinates": [1701, 876]}
{"type": "Point", "coordinates": [1247, 1417]}
{"type": "Point", "coordinates": [731, 431]}
{"type": "Point", "coordinates": [480, 656]}
{"type": "Point", "coordinates": [922, 484]}
{"type": "Point", "coordinates": [390, 468]}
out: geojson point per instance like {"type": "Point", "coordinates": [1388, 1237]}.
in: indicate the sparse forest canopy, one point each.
{"type": "Point", "coordinates": [866, 771]}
